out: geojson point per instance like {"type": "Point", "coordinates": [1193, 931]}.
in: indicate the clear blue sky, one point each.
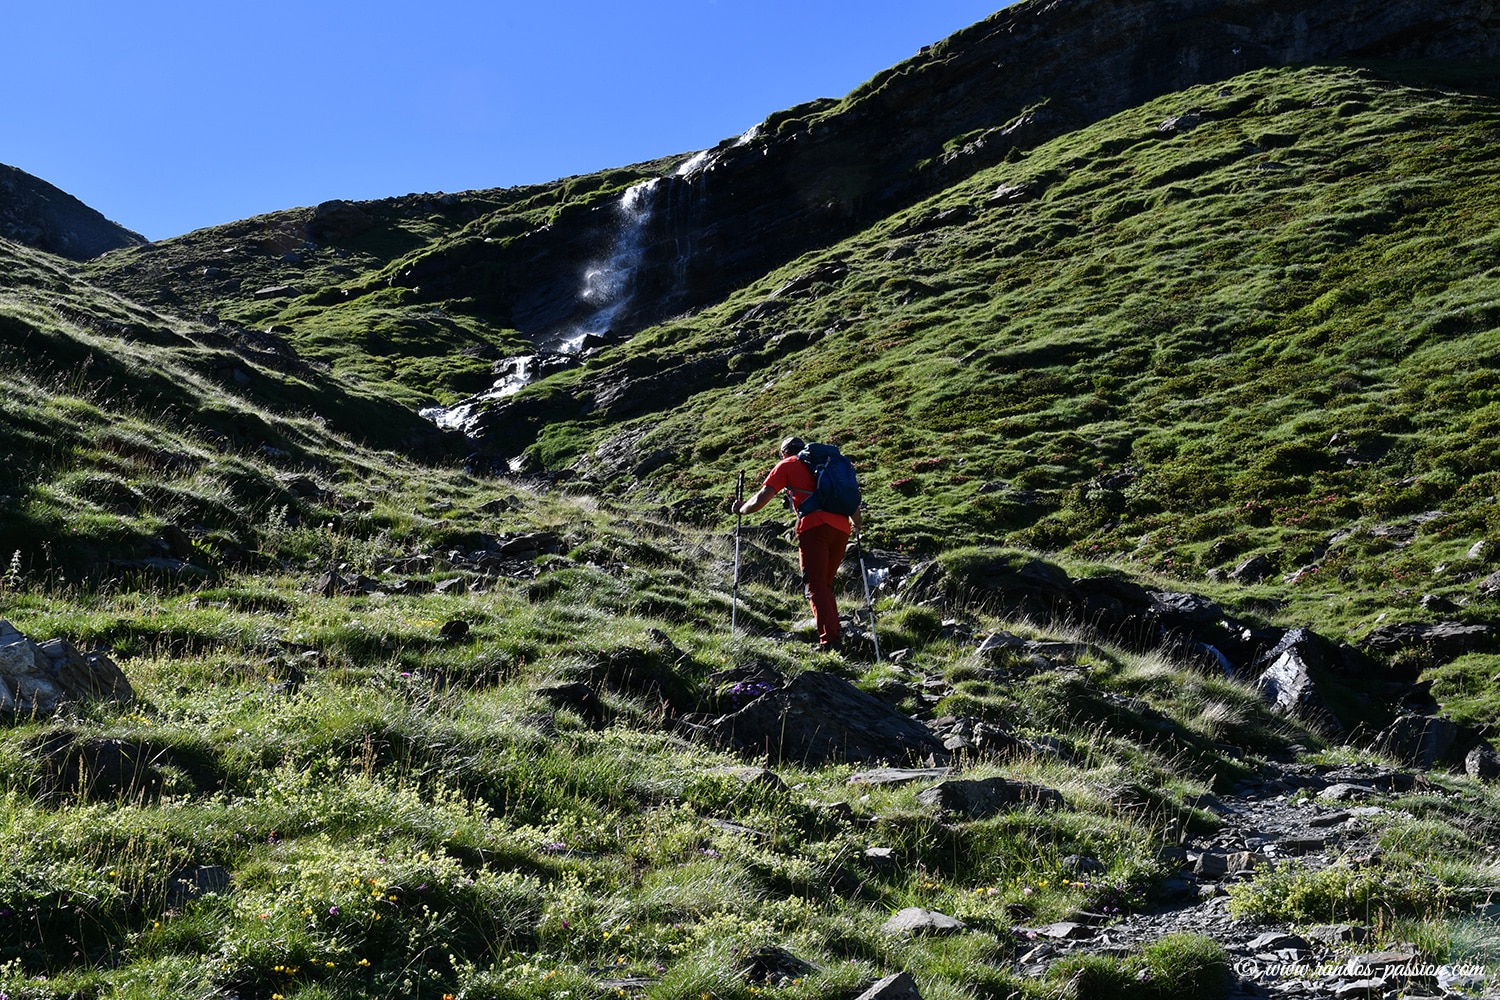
{"type": "Point", "coordinates": [168, 116]}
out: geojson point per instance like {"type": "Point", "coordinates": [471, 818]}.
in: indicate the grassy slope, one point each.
{"type": "Point", "coordinates": [120, 420]}
{"type": "Point", "coordinates": [1204, 312]}
{"type": "Point", "coordinates": [393, 823]}
{"type": "Point", "coordinates": [395, 826]}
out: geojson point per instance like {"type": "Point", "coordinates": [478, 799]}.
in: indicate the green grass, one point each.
{"type": "Point", "coordinates": [1229, 315]}
{"type": "Point", "coordinates": [1177, 966]}
{"type": "Point", "coordinates": [1159, 367]}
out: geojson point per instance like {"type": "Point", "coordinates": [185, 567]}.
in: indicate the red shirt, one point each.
{"type": "Point", "coordinates": [791, 473]}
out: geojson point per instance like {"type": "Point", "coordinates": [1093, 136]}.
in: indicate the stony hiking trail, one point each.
{"type": "Point", "coordinates": [1312, 816]}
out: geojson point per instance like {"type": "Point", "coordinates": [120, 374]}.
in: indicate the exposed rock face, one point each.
{"type": "Point", "coordinates": [1442, 641]}
{"type": "Point", "coordinates": [1289, 685]}
{"type": "Point", "coordinates": [338, 220]}
{"type": "Point", "coordinates": [39, 215]}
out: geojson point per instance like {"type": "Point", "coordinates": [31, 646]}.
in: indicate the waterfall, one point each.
{"type": "Point", "coordinates": [607, 287]}
{"type": "Point", "coordinates": [607, 284]}
{"type": "Point", "coordinates": [702, 160]}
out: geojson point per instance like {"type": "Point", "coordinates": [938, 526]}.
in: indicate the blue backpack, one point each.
{"type": "Point", "coordinates": [838, 488]}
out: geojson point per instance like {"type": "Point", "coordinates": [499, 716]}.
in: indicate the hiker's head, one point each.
{"type": "Point", "coordinates": [791, 446]}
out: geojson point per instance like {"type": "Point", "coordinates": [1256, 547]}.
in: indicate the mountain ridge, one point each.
{"type": "Point", "coordinates": [38, 214]}
{"type": "Point", "coordinates": [1024, 75]}
{"type": "Point", "coordinates": [789, 180]}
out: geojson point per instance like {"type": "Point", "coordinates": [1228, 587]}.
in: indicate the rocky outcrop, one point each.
{"type": "Point", "coordinates": [337, 220]}
{"type": "Point", "coordinates": [35, 213]}
{"type": "Point", "coordinates": [38, 679]}
{"type": "Point", "coordinates": [1438, 643]}
{"type": "Point", "coordinates": [1120, 609]}
{"type": "Point", "coordinates": [820, 718]}
{"type": "Point", "coordinates": [1366, 692]}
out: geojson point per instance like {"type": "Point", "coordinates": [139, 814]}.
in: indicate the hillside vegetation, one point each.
{"type": "Point", "coordinates": [1252, 333]}
{"type": "Point", "coordinates": [358, 728]}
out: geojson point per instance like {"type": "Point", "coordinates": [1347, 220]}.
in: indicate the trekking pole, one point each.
{"type": "Point", "coordinates": [859, 550]}
{"type": "Point", "coordinates": [734, 601]}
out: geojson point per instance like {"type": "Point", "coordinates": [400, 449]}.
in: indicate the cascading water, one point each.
{"type": "Point", "coordinates": [701, 161]}
{"type": "Point", "coordinates": [607, 284]}
{"type": "Point", "coordinates": [607, 288]}
{"type": "Point", "coordinates": [515, 375]}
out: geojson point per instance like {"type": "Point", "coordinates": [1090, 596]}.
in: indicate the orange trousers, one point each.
{"type": "Point", "coordinates": [820, 550]}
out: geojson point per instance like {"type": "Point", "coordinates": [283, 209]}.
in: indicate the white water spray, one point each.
{"type": "Point", "coordinates": [701, 161]}
{"type": "Point", "coordinates": [607, 283]}
{"type": "Point", "coordinates": [607, 288]}
{"type": "Point", "coordinates": [515, 375]}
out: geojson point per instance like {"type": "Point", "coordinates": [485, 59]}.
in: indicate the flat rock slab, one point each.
{"type": "Point", "coordinates": [1277, 941]}
{"type": "Point", "coordinates": [900, 775]}
{"type": "Point", "coordinates": [1336, 934]}
{"type": "Point", "coordinates": [1066, 930]}
{"type": "Point", "coordinates": [914, 921]}
{"type": "Point", "coordinates": [1300, 845]}
{"type": "Point", "coordinates": [1379, 961]}
{"type": "Point", "coordinates": [1346, 791]}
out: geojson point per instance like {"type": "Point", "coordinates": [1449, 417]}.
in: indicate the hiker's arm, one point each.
{"type": "Point", "coordinates": [758, 501]}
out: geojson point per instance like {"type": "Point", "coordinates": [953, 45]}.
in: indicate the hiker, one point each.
{"type": "Point", "coordinates": [822, 536]}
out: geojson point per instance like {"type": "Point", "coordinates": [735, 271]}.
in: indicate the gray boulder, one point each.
{"type": "Point", "coordinates": [1252, 570]}
{"type": "Point", "coordinates": [1421, 741]}
{"type": "Point", "coordinates": [36, 680]}
{"type": "Point", "coordinates": [1482, 763]}
{"type": "Point", "coordinates": [1290, 687]}
{"type": "Point", "coordinates": [914, 921]}
{"type": "Point", "coordinates": [901, 986]}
